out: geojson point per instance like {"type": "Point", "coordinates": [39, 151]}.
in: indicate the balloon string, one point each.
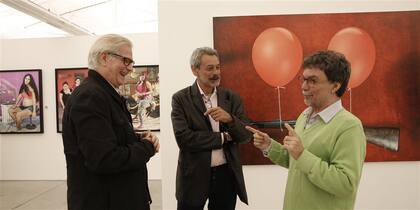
{"type": "Point", "coordinates": [278, 96]}
{"type": "Point", "coordinates": [350, 99]}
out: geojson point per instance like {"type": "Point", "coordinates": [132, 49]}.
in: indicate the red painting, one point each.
{"type": "Point", "coordinates": [385, 95]}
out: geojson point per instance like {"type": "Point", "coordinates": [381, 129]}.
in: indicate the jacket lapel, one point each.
{"type": "Point", "coordinates": [223, 100]}
{"type": "Point", "coordinates": [111, 91]}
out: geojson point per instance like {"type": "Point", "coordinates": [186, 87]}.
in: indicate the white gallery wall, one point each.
{"type": "Point", "coordinates": [40, 156]}
{"type": "Point", "coordinates": [186, 25]}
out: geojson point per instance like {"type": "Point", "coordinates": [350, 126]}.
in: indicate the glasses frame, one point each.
{"type": "Point", "coordinates": [310, 81]}
{"type": "Point", "coordinates": [125, 60]}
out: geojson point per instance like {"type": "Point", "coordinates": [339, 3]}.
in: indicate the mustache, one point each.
{"type": "Point", "coordinates": [215, 77]}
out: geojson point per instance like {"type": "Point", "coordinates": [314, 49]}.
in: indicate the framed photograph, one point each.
{"type": "Point", "coordinates": [141, 89]}
{"type": "Point", "coordinates": [21, 101]}
{"type": "Point", "coordinates": [66, 81]}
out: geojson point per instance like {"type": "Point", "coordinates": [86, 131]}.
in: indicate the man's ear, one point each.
{"type": "Point", "coordinates": [194, 70]}
{"type": "Point", "coordinates": [102, 58]}
{"type": "Point", "coordinates": [336, 87]}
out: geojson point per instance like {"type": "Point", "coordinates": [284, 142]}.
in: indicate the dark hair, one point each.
{"type": "Point", "coordinates": [333, 64]}
{"type": "Point", "coordinates": [25, 88]}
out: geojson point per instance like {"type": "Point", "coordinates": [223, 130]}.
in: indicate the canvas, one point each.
{"type": "Point", "coordinates": [66, 81]}
{"type": "Point", "coordinates": [385, 99]}
{"type": "Point", "coordinates": [21, 101]}
{"type": "Point", "coordinates": [141, 91]}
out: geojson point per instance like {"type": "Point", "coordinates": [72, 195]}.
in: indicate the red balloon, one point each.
{"type": "Point", "coordinates": [277, 56]}
{"type": "Point", "coordinates": [359, 49]}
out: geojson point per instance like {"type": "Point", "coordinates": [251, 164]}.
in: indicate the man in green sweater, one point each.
{"type": "Point", "coordinates": [326, 150]}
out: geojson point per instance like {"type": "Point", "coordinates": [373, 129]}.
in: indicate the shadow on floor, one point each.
{"type": "Point", "coordinates": [51, 195]}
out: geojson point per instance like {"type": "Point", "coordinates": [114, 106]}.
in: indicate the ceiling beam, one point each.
{"type": "Point", "coordinates": [44, 15]}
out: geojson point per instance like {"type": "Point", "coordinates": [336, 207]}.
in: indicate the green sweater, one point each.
{"type": "Point", "coordinates": [327, 174]}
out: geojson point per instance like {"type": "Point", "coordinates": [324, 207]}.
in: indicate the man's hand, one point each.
{"type": "Point", "coordinates": [227, 137]}
{"type": "Point", "coordinates": [292, 143]}
{"type": "Point", "coordinates": [261, 140]}
{"type": "Point", "coordinates": [152, 138]}
{"type": "Point", "coordinates": [218, 114]}
{"type": "Point", "coordinates": [144, 134]}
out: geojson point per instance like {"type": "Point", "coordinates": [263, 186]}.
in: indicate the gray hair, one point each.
{"type": "Point", "coordinates": [195, 60]}
{"type": "Point", "coordinates": [107, 43]}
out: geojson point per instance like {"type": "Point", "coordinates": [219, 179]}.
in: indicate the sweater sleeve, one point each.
{"type": "Point", "coordinates": [341, 175]}
{"type": "Point", "coordinates": [278, 155]}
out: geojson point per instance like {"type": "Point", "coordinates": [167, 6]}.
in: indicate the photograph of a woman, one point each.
{"type": "Point", "coordinates": [77, 81]}
{"type": "Point", "coordinates": [141, 91]}
{"type": "Point", "coordinates": [64, 94]}
{"type": "Point", "coordinates": [26, 101]}
{"type": "Point", "coordinates": [21, 103]}
{"type": "Point", "coordinates": [144, 98]}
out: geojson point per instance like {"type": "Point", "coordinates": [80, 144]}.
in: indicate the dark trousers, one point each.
{"type": "Point", "coordinates": [222, 194]}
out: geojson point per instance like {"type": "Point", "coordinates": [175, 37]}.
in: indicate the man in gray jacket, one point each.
{"type": "Point", "coordinates": [208, 122]}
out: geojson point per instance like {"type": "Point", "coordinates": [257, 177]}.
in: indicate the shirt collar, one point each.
{"type": "Point", "coordinates": [116, 89]}
{"type": "Point", "coordinates": [95, 74]}
{"type": "Point", "coordinates": [202, 92]}
{"type": "Point", "coordinates": [328, 113]}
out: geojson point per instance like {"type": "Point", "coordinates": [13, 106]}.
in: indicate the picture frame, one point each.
{"type": "Point", "coordinates": [141, 91]}
{"type": "Point", "coordinates": [66, 80]}
{"type": "Point", "coordinates": [149, 102]}
{"type": "Point", "coordinates": [21, 104]}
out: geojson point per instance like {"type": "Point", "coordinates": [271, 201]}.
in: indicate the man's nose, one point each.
{"type": "Point", "coordinates": [304, 85]}
{"type": "Point", "coordinates": [130, 67]}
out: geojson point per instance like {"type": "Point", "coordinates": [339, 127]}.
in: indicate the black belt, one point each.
{"type": "Point", "coordinates": [219, 167]}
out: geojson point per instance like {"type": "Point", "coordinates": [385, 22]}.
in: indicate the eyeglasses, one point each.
{"type": "Point", "coordinates": [126, 61]}
{"type": "Point", "coordinates": [310, 81]}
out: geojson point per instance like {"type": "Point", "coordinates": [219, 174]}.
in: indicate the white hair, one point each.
{"type": "Point", "coordinates": [109, 43]}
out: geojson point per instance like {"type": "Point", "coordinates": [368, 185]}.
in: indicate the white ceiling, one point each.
{"type": "Point", "coordinates": [94, 16]}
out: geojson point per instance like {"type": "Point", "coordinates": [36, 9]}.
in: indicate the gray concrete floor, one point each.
{"type": "Point", "coordinates": [51, 195]}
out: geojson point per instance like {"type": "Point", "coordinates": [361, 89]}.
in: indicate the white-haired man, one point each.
{"type": "Point", "coordinates": [106, 160]}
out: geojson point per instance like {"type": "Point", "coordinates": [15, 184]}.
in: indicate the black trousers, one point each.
{"type": "Point", "coordinates": [222, 195]}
